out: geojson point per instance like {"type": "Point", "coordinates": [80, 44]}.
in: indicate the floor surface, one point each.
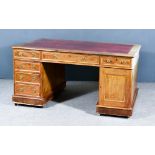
{"type": "Point", "coordinates": [75, 106]}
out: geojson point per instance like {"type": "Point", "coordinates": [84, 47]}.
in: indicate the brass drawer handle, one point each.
{"type": "Point", "coordinates": [21, 67]}
{"type": "Point", "coordinates": [34, 78]}
{"type": "Point", "coordinates": [108, 61]}
{"type": "Point", "coordinates": [20, 54]}
{"type": "Point", "coordinates": [21, 77]}
{"type": "Point", "coordinates": [21, 90]}
{"type": "Point", "coordinates": [34, 91]}
{"type": "Point", "coordinates": [123, 62]}
{"type": "Point", "coordinates": [70, 56]}
{"type": "Point", "coordinates": [54, 56]}
{"type": "Point", "coordinates": [33, 67]}
{"type": "Point", "coordinates": [83, 59]}
{"type": "Point", "coordinates": [33, 54]}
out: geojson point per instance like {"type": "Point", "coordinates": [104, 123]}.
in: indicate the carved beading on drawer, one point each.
{"type": "Point", "coordinates": [27, 77]}
{"type": "Point", "coordinates": [70, 58]}
{"type": "Point", "coordinates": [116, 61]}
{"type": "Point", "coordinates": [26, 54]}
{"type": "Point", "coordinates": [27, 66]}
{"type": "Point", "coordinates": [27, 89]}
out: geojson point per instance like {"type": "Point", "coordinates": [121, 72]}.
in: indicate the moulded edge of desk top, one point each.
{"type": "Point", "coordinates": [135, 49]}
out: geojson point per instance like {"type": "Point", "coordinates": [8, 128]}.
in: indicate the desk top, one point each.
{"type": "Point", "coordinates": [97, 48]}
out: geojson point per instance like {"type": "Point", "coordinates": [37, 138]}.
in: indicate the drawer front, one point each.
{"type": "Point", "coordinates": [27, 89]}
{"type": "Point", "coordinates": [27, 77]}
{"type": "Point", "coordinates": [27, 66]}
{"type": "Point", "coordinates": [26, 54]}
{"type": "Point", "coordinates": [70, 58]}
{"type": "Point", "coordinates": [116, 61]}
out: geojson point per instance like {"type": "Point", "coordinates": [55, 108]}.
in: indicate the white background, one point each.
{"type": "Point", "coordinates": [80, 14]}
{"type": "Point", "coordinates": [77, 14]}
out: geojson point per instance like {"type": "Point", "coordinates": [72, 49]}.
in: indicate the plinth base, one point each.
{"type": "Point", "coordinates": [124, 112]}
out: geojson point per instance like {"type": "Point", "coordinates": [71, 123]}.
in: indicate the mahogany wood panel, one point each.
{"type": "Point", "coordinates": [53, 79]}
{"type": "Point", "coordinates": [115, 87]}
{"type": "Point", "coordinates": [39, 72]}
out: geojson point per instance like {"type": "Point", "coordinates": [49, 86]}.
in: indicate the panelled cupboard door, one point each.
{"type": "Point", "coordinates": [115, 87]}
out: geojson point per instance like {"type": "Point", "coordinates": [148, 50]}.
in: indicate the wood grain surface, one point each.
{"type": "Point", "coordinates": [39, 72]}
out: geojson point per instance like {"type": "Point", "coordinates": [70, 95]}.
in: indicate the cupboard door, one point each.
{"type": "Point", "coordinates": [115, 87]}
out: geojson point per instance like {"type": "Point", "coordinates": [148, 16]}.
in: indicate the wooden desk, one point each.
{"type": "Point", "coordinates": [39, 72]}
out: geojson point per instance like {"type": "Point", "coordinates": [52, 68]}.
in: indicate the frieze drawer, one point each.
{"type": "Point", "coordinates": [116, 61]}
{"type": "Point", "coordinates": [70, 58]}
{"type": "Point", "coordinates": [26, 54]}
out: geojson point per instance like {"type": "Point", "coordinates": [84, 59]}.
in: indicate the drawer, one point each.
{"type": "Point", "coordinates": [116, 61]}
{"type": "Point", "coordinates": [26, 54]}
{"type": "Point", "coordinates": [26, 66]}
{"type": "Point", "coordinates": [27, 77]}
{"type": "Point", "coordinates": [70, 58]}
{"type": "Point", "coordinates": [27, 89]}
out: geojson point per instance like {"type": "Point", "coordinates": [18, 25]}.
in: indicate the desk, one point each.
{"type": "Point", "coordinates": [39, 72]}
